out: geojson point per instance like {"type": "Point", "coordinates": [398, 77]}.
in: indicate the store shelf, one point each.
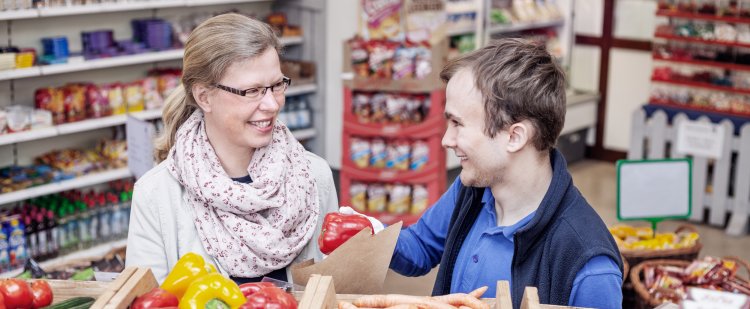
{"type": "Point", "coordinates": [148, 114]}
{"type": "Point", "coordinates": [120, 6]}
{"type": "Point", "coordinates": [19, 137]}
{"type": "Point", "coordinates": [70, 184]}
{"type": "Point", "coordinates": [703, 85]}
{"type": "Point", "coordinates": [93, 252]}
{"type": "Point", "coordinates": [723, 65]}
{"type": "Point", "coordinates": [673, 37]}
{"type": "Point", "coordinates": [701, 109]}
{"type": "Point", "coordinates": [291, 40]}
{"type": "Point", "coordinates": [524, 26]}
{"type": "Point", "coordinates": [454, 31]}
{"type": "Point", "coordinates": [693, 16]}
{"type": "Point", "coordinates": [150, 57]}
{"type": "Point", "coordinates": [303, 134]}
{"type": "Point", "coordinates": [301, 89]}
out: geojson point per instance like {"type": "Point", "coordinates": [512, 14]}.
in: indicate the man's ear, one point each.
{"type": "Point", "coordinates": [200, 94]}
{"type": "Point", "coordinates": [519, 135]}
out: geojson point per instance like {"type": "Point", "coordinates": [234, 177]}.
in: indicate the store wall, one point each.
{"type": "Point", "coordinates": [628, 86]}
{"type": "Point", "coordinates": [341, 25]}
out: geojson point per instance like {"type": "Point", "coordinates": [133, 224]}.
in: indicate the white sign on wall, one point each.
{"type": "Point", "coordinates": [140, 138]}
{"type": "Point", "coordinates": [653, 189]}
{"type": "Point", "coordinates": [700, 139]}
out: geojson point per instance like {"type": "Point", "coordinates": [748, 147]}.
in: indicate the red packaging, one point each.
{"type": "Point", "coordinates": [97, 102]}
{"type": "Point", "coordinates": [74, 102]}
{"type": "Point", "coordinates": [51, 99]}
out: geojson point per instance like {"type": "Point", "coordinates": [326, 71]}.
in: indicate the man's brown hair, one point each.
{"type": "Point", "coordinates": [519, 80]}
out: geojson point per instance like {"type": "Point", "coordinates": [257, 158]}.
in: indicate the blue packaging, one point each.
{"type": "Point", "coordinates": [17, 250]}
{"type": "Point", "coordinates": [4, 256]}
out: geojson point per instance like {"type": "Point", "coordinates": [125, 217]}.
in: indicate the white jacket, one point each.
{"type": "Point", "coordinates": [162, 228]}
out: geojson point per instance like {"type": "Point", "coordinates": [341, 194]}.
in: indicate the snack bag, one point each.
{"type": "Point", "coordinates": [376, 198]}
{"type": "Point", "coordinates": [151, 96]}
{"type": "Point", "coordinates": [97, 102]}
{"type": "Point", "coordinates": [362, 107]}
{"type": "Point", "coordinates": [399, 199]}
{"type": "Point", "coordinates": [360, 152]}
{"type": "Point", "coordinates": [134, 99]}
{"type": "Point", "coordinates": [420, 152]}
{"type": "Point", "coordinates": [423, 62]}
{"type": "Point", "coordinates": [378, 153]}
{"type": "Point", "coordinates": [398, 156]}
{"type": "Point", "coordinates": [381, 58]}
{"type": "Point", "coordinates": [74, 102]}
{"type": "Point", "coordinates": [116, 98]}
{"type": "Point", "coordinates": [419, 199]}
{"type": "Point", "coordinates": [378, 103]}
{"type": "Point", "coordinates": [382, 18]}
{"type": "Point", "coordinates": [403, 62]}
{"type": "Point", "coordinates": [52, 100]}
{"type": "Point", "coordinates": [413, 110]}
{"type": "Point", "coordinates": [358, 192]}
{"type": "Point", "coordinates": [395, 106]}
{"type": "Point", "coordinates": [360, 57]}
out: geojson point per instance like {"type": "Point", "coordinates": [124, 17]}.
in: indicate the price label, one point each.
{"type": "Point", "coordinates": [700, 139]}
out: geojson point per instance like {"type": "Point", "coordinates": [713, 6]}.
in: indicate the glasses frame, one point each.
{"type": "Point", "coordinates": [286, 81]}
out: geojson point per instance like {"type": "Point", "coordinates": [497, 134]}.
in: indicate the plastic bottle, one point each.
{"type": "Point", "coordinates": [105, 224]}
{"type": "Point", "coordinates": [91, 209]}
{"type": "Point", "coordinates": [84, 225]}
{"type": "Point", "coordinates": [30, 233]}
{"type": "Point", "coordinates": [42, 244]}
{"type": "Point", "coordinates": [53, 244]}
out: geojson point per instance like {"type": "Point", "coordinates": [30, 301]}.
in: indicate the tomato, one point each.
{"type": "Point", "coordinates": [270, 298]}
{"type": "Point", "coordinates": [42, 293]}
{"type": "Point", "coordinates": [252, 287]}
{"type": "Point", "coordinates": [156, 298]}
{"type": "Point", "coordinates": [17, 294]}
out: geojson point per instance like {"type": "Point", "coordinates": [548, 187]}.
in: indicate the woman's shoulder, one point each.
{"type": "Point", "coordinates": [320, 168]}
{"type": "Point", "coordinates": [157, 179]}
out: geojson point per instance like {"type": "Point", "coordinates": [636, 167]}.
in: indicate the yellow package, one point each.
{"type": "Point", "coordinates": [376, 198]}
{"type": "Point", "coordinates": [134, 97]}
{"type": "Point", "coordinates": [382, 18]}
{"type": "Point", "coordinates": [419, 199]}
{"type": "Point", "coordinates": [358, 193]}
{"type": "Point", "coordinates": [399, 199]}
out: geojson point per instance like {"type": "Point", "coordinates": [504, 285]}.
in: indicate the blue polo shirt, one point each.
{"type": "Point", "coordinates": [487, 254]}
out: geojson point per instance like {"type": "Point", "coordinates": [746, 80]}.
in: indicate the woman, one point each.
{"type": "Point", "coordinates": [233, 184]}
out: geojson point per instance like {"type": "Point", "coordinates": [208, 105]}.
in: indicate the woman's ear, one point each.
{"type": "Point", "coordinates": [519, 135]}
{"type": "Point", "coordinates": [200, 94]}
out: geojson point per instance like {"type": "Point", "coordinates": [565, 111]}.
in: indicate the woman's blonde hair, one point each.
{"type": "Point", "coordinates": [211, 48]}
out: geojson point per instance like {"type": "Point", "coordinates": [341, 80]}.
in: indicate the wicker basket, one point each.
{"type": "Point", "coordinates": [645, 300]}
{"type": "Point", "coordinates": [635, 257]}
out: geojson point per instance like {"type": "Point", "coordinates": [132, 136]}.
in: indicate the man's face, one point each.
{"type": "Point", "coordinates": [483, 159]}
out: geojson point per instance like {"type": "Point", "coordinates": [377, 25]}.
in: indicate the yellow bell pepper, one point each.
{"type": "Point", "coordinates": [190, 267]}
{"type": "Point", "coordinates": [212, 286]}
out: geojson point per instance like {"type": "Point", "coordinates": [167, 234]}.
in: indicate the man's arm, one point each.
{"type": "Point", "coordinates": [597, 285]}
{"type": "Point", "coordinates": [420, 247]}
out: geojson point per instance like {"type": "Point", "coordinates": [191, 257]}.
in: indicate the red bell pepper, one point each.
{"type": "Point", "coordinates": [252, 287]}
{"type": "Point", "coordinates": [270, 297]}
{"type": "Point", "coordinates": [338, 228]}
{"type": "Point", "coordinates": [156, 298]}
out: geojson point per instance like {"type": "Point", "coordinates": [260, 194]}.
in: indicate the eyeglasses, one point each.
{"type": "Point", "coordinates": [259, 92]}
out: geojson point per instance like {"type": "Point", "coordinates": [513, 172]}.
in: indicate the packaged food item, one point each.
{"type": "Point", "coordinates": [362, 107]}
{"type": "Point", "coordinates": [17, 251]}
{"type": "Point", "coordinates": [97, 101]}
{"type": "Point", "coordinates": [134, 97]}
{"type": "Point", "coordinates": [398, 155]}
{"type": "Point", "coordinates": [378, 104]}
{"type": "Point", "coordinates": [423, 61]}
{"type": "Point", "coordinates": [420, 152]}
{"type": "Point", "coordinates": [115, 152]}
{"type": "Point", "coordinates": [74, 102]}
{"type": "Point", "coordinates": [395, 108]}
{"type": "Point", "coordinates": [4, 246]}
{"type": "Point", "coordinates": [381, 58]}
{"type": "Point", "coordinates": [40, 118]}
{"type": "Point", "coordinates": [360, 57]}
{"type": "Point", "coordinates": [19, 118]}
{"type": "Point", "coordinates": [51, 99]}
{"type": "Point", "coordinates": [358, 193]}
{"type": "Point", "coordinates": [360, 152]}
{"type": "Point", "coordinates": [399, 199]}
{"type": "Point", "coordinates": [413, 110]}
{"type": "Point", "coordinates": [378, 153]}
{"type": "Point", "coordinates": [382, 18]}
{"type": "Point", "coordinates": [376, 198]}
{"type": "Point", "coordinates": [419, 199]}
{"type": "Point", "coordinates": [116, 98]}
{"type": "Point", "coordinates": [151, 96]}
{"type": "Point", "coordinates": [403, 62]}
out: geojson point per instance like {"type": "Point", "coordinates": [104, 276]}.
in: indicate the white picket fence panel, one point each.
{"type": "Point", "coordinates": [649, 140]}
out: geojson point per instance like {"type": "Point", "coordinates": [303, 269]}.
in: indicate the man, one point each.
{"type": "Point", "coordinates": [515, 214]}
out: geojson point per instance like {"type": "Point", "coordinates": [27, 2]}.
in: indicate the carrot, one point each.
{"type": "Point", "coordinates": [479, 292]}
{"type": "Point", "coordinates": [384, 301]}
{"type": "Point", "coordinates": [462, 299]}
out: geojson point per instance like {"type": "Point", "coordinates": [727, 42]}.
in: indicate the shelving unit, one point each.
{"type": "Point", "coordinates": [95, 251]}
{"type": "Point", "coordinates": [70, 184]}
{"type": "Point", "coordinates": [731, 52]}
{"type": "Point", "coordinates": [150, 57]}
{"type": "Point", "coordinates": [111, 8]}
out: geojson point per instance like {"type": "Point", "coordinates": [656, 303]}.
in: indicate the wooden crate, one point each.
{"type": "Point", "coordinates": [321, 294]}
{"type": "Point", "coordinates": [131, 283]}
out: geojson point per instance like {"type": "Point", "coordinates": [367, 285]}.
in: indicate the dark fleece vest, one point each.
{"type": "Point", "coordinates": [564, 234]}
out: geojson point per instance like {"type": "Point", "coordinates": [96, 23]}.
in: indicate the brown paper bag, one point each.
{"type": "Point", "coordinates": [358, 266]}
